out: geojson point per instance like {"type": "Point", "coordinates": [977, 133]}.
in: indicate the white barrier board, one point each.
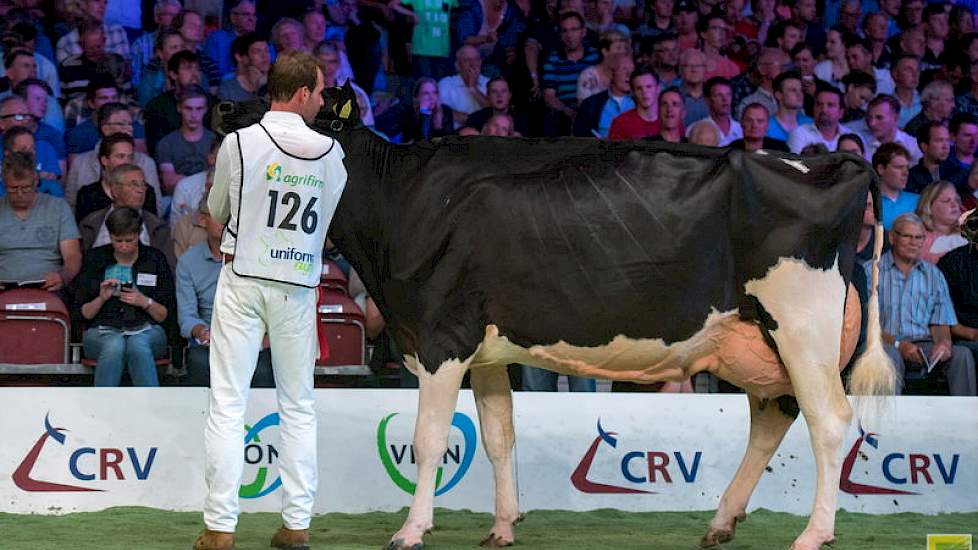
{"type": "Point", "coordinates": [86, 449]}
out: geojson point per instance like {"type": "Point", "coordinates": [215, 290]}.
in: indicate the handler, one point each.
{"type": "Point", "coordinates": [276, 185]}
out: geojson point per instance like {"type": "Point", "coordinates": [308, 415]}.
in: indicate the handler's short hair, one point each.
{"type": "Point", "coordinates": [291, 72]}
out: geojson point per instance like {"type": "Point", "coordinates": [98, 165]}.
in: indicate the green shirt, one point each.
{"type": "Point", "coordinates": [432, 35]}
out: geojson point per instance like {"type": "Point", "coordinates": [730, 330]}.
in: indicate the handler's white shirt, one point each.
{"type": "Point", "coordinates": [291, 133]}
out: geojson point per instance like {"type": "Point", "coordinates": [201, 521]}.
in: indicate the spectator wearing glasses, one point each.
{"type": "Point", "coordinates": [84, 137]}
{"type": "Point", "coordinates": [916, 311]}
{"type": "Point", "coordinates": [14, 112]}
{"type": "Point", "coordinates": [243, 19]}
{"type": "Point", "coordinates": [114, 150]}
{"type": "Point", "coordinates": [126, 292]}
{"type": "Point", "coordinates": [113, 118]}
{"type": "Point", "coordinates": [144, 48]}
{"type": "Point", "coordinates": [128, 189]}
{"type": "Point", "coordinates": [38, 235]}
{"type": "Point", "coordinates": [20, 140]}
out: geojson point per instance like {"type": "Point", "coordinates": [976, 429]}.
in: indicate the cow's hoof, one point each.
{"type": "Point", "coordinates": [715, 536]}
{"type": "Point", "coordinates": [495, 541]}
{"type": "Point", "coordinates": [807, 543]}
{"type": "Point", "coordinates": [399, 544]}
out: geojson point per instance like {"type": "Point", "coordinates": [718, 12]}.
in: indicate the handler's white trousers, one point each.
{"type": "Point", "coordinates": [244, 309]}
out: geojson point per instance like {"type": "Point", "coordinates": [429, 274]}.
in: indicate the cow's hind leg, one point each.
{"type": "Point", "coordinates": [806, 304]}
{"type": "Point", "coordinates": [494, 401]}
{"type": "Point", "coordinates": [437, 398]}
{"type": "Point", "coordinates": [768, 424]}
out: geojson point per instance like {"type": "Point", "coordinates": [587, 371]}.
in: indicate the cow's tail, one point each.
{"type": "Point", "coordinates": [873, 374]}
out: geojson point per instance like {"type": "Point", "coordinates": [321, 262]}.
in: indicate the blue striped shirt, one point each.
{"type": "Point", "coordinates": [560, 74]}
{"type": "Point", "coordinates": [910, 304]}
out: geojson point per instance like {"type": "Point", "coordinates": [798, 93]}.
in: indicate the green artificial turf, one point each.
{"type": "Point", "coordinates": [148, 529]}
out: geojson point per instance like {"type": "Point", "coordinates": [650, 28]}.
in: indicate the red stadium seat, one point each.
{"type": "Point", "coordinates": [34, 327]}
{"type": "Point", "coordinates": [343, 322]}
{"type": "Point", "coordinates": [333, 277]}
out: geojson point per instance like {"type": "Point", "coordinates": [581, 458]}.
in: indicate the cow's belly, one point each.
{"type": "Point", "coordinates": [732, 349]}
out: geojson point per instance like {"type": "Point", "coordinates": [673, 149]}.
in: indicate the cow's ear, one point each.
{"type": "Point", "coordinates": [349, 107]}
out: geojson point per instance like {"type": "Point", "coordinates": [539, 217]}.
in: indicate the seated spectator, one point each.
{"type": "Point", "coordinates": [718, 95]}
{"type": "Point", "coordinates": [189, 189]}
{"type": "Point", "coordinates": [252, 60]}
{"type": "Point", "coordinates": [20, 140]}
{"type": "Point", "coordinates": [825, 130]}
{"type": "Point", "coordinates": [114, 118]}
{"type": "Point", "coordinates": [968, 102]}
{"type": "Point", "coordinates": [770, 63]}
{"type": "Point", "coordinates": [596, 78]}
{"type": "Point", "coordinates": [964, 131]}
{"type": "Point", "coordinates": [937, 105]}
{"type": "Point", "coordinates": [671, 114]}
{"type": "Point", "coordinates": [917, 334]}
{"type": "Point", "coordinates": [851, 143]}
{"type": "Point", "coordinates": [859, 56]}
{"type": "Point", "coordinates": [881, 128]}
{"type": "Point", "coordinates": [288, 35]}
{"type": "Point", "coordinates": [960, 269]}
{"type": "Point", "coordinates": [692, 69]}
{"type": "Point", "coordinates": [500, 103]}
{"type": "Point", "coordinates": [834, 66]}
{"type": "Point", "coordinates": [76, 71]}
{"type": "Point", "coordinates": [114, 150]}
{"type": "Point", "coordinates": [791, 102]}
{"type": "Point", "coordinates": [465, 91]}
{"type": "Point", "coordinates": [38, 236]}
{"type": "Point", "coordinates": [126, 290]}
{"type": "Point", "coordinates": [687, 17]}
{"type": "Point", "coordinates": [145, 48]}
{"type": "Point", "coordinates": [940, 207]}
{"type": "Point", "coordinates": [906, 76]}
{"type": "Point", "coordinates": [713, 30]}
{"type": "Point", "coordinates": [865, 246]}
{"type": "Point", "coordinates": [116, 41]}
{"type": "Point", "coordinates": [85, 135]}
{"type": "Point", "coordinates": [328, 54]}
{"type": "Point", "coordinates": [25, 35]}
{"type": "Point", "coordinates": [190, 24]}
{"type": "Point", "coordinates": [804, 62]}
{"type": "Point", "coordinates": [560, 73]}
{"type": "Point", "coordinates": [154, 78]}
{"type": "Point", "coordinates": [969, 191]}
{"type": "Point", "coordinates": [20, 67]}
{"type": "Point", "coordinates": [892, 165]}
{"type": "Point", "coordinates": [243, 16]}
{"type": "Point", "coordinates": [786, 34]}
{"type": "Point", "coordinates": [15, 112]}
{"type": "Point", "coordinates": [128, 188]}
{"type": "Point", "coordinates": [184, 151]}
{"type": "Point", "coordinates": [935, 145]}
{"type": "Point", "coordinates": [425, 117]}
{"type": "Point", "coordinates": [755, 122]}
{"type": "Point", "coordinates": [196, 284]}
{"type": "Point", "coordinates": [601, 17]}
{"type": "Point", "coordinates": [597, 112]}
{"type": "Point", "coordinates": [161, 114]}
{"type": "Point", "coordinates": [860, 87]}
{"type": "Point", "coordinates": [704, 133]}
{"type": "Point", "coordinates": [643, 120]}
{"type": "Point", "coordinates": [37, 95]}
{"type": "Point", "coordinates": [190, 228]}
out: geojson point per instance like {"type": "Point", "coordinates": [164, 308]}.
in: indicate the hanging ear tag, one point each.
{"type": "Point", "coordinates": [347, 109]}
{"type": "Point", "coordinates": [335, 125]}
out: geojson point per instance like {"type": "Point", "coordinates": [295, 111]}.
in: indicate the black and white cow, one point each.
{"type": "Point", "coordinates": [621, 260]}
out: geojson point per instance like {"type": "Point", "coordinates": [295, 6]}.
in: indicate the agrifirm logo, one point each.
{"type": "Point", "coordinates": [261, 456]}
{"type": "Point", "coordinates": [275, 174]}
{"type": "Point", "coordinates": [396, 453]}
{"type": "Point", "coordinates": [637, 469]}
{"type": "Point", "coordinates": [85, 464]}
{"type": "Point", "coordinates": [898, 471]}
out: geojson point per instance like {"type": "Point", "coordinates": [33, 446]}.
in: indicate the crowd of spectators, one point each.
{"type": "Point", "coordinates": [107, 151]}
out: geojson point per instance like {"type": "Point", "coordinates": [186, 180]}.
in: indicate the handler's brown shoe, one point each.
{"type": "Point", "coordinates": [291, 539]}
{"type": "Point", "coordinates": [214, 540]}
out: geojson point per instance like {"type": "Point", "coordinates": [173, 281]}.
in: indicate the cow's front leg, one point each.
{"type": "Point", "coordinates": [436, 404]}
{"type": "Point", "coordinates": [494, 401]}
{"type": "Point", "coordinates": [768, 425]}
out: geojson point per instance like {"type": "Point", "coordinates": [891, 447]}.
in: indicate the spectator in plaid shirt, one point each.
{"type": "Point", "coordinates": [116, 40]}
{"type": "Point", "coordinates": [144, 47]}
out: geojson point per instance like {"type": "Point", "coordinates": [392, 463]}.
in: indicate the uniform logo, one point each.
{"type": "Point", "coordinates": [262, 455]}
{"type": "Point", "coordinates": [392, 455]}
